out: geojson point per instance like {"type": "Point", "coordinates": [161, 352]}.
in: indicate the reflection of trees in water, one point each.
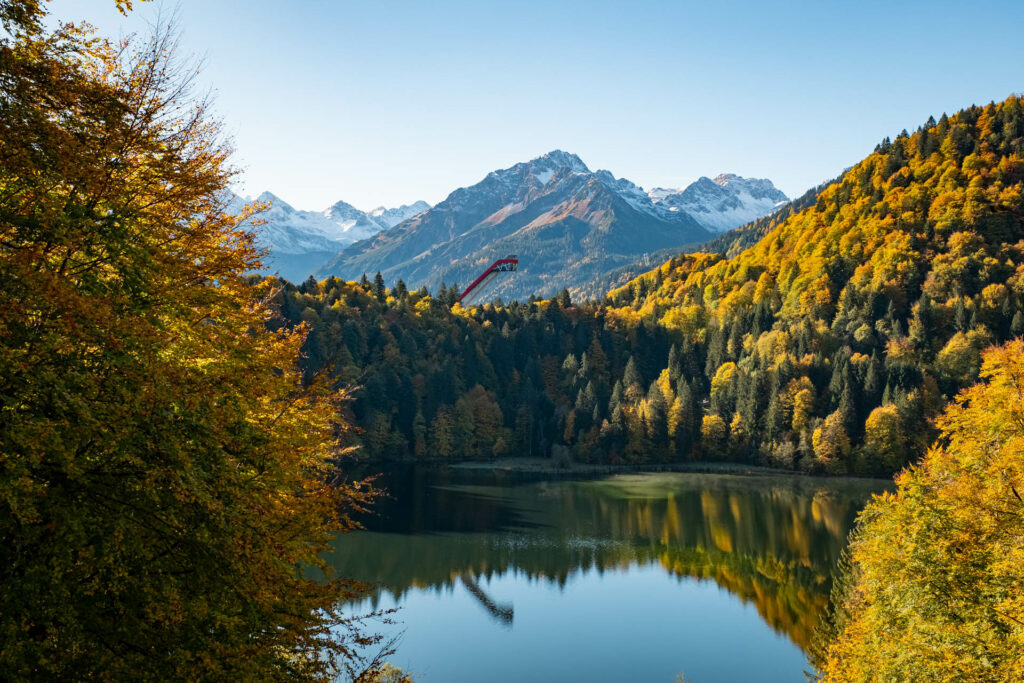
{"type": "Point", "coordinates": [772, 541]}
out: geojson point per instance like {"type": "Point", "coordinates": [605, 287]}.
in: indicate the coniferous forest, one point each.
{"type": "Point", "coordinates": [827, 346]}
{"type": "Point", "coordinates": [179, 435]}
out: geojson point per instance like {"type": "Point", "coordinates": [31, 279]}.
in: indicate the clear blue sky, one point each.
{"type": "Point", "coordinates": [385, 102]}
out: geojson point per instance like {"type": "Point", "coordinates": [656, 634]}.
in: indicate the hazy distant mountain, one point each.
{"type": "Point", "coordinates": [570, 227]}
{"type": "Point", "coordinates": [300, 241]}
{"type": "Point", "coordinates": [389, 218]}
{"type": "Point", "coordinates": [723, 203]}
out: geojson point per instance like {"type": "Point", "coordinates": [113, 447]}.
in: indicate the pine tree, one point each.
{"type": "Point", "coordinates": [960, 315]}
{"type": "Point", "coordinates": [631, 376]}
{"type": "Point", "coordinates": [675, 365]}
{"type": "Point", "coordinates": [657, 416]}
{"type": "Point", "coordinates": [873, 380]}
{"type": "Point", "coordinates": [616, 398]}
{"type": "Point", "coordinates": [1017, 325]}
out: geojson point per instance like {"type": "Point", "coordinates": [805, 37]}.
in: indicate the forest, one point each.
{"type": "Point", "coordinates": [177, 433]}
{"type": "Point", "coordinates": [827, 346]}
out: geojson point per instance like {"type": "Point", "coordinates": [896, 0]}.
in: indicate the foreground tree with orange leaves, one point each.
{"type": "Point", "coordinates": [935, 589]}
{"type": "Point", "coordinates": [164, 472]}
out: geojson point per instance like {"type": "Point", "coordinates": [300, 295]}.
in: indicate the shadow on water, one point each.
{"type": "Point", "coordinates": [434, 500]}
{"type": "Point", "coordinates": [773, 541]}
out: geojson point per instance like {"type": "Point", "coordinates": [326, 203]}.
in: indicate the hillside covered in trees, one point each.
{"type": "Point", "coordinates": [827, 346]}
{"type": "Point", "coordinates": [937, 566]}
{"type": "Point", "coordinates": [857, 318]}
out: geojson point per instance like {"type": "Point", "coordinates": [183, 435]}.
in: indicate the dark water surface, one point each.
{"type": "Point", "coordinates": [632, 577]}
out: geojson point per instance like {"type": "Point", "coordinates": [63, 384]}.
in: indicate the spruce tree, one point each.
{"type": "Point", "coordinates": [631, 376]}
{"type": "Point", "coordinates": [675, 365]}
{"type": "Point", "coordinates": [1017, 324]}
{"type": "Point", "coordinates": [960, 315]}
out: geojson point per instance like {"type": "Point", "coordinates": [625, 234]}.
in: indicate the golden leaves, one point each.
{"type": "Point", "coordinates": [939, 566]}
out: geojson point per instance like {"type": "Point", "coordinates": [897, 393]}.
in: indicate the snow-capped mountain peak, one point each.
{"type": "Point", "coordinates": [558, 159]}
{"type": "Point", "coordinates": [299, 241]}
{"type": "Point", "coordinates": [276, 201]}
{"type": "Point", "coordinates": [389, 218]}
{"type": "Point", "coordinates": [724, 202]}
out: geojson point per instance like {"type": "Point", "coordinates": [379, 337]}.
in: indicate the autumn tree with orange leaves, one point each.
{"type": "Point", "coordinates": [935, 585]}
{"type": "Point", "coordinates": [164, 472]}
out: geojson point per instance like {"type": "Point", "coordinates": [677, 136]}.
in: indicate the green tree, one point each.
{"type": "Point", "coordinates": [441, 440]}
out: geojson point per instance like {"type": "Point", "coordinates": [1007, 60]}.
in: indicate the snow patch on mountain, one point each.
{"type": "Point", "coordinates": [389, 218]}
{"type": "Point", "coordinates": [286, 230]}
{"type": "Point", "coordinates": [724, 202]}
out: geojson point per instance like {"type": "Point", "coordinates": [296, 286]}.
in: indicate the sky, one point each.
{"type": "Point", "coordinates": [385, 102]}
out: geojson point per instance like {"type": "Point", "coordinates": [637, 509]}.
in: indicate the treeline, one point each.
{"type": "Point", "coordinates": [828, 346]}
{"type": "Point", "coordinates": [437, 380]}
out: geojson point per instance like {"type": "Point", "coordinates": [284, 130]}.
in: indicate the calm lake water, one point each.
{"type": "Point", "coordinates": [632, 577]}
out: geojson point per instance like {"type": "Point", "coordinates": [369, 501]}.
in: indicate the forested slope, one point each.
{"type": "Point", "coordinates": [833, 341]}
{"type": "Point", "coordinates": [933, 583]}
{"type": "Point", "coordinates": [438, 380]}
{"type": "Point", "coordinates": [828, 345]}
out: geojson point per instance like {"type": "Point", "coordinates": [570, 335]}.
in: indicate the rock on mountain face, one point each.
{"type": "Point", "coordinates": [300, 241]}
{"type": "Point", "coordinates": [723, 203]}
{"type": "Point", "coordinates": [568, 225]}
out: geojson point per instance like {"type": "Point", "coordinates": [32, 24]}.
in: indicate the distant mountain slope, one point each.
{"type": "Point", "coordinates": [734, 241]}
{"type": "Point", "coordinates": [300, 241]}
{"type": "Point", "coordinates": [729, 243]}
{"type": "Point", "coordinates": [389, 218]}
{"type": "Point", "coordinates": [725, 202]}
{"type": "Point", "coordinates": [569, 226]}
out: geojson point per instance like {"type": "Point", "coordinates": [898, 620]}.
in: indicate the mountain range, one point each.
{"type": "Point", "coordinates": [299, 241]}
{"type": "Point", "coordinates": [571, 228]}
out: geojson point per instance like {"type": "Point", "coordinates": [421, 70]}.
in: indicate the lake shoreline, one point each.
{"type": "Point", "coordinates": [545, 466]}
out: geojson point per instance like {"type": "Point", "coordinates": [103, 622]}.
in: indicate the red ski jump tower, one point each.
{"type": "Point", "coordinates": [503, 265]}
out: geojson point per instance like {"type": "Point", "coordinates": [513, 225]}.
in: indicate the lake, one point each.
{"type": "Point", "coordinates": [632, 577]}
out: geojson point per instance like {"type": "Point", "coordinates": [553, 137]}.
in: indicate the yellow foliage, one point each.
{"type": "Point", "coordinates": [936, 587]}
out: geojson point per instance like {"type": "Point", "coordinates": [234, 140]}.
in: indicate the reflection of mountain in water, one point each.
{"type": "Point", "coordinates": [773, 541]}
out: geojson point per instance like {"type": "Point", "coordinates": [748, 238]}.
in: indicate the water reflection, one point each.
{"type": "Point", "coordinates": [502, 613]}
{"type": "Point", "coordinates": [772, 541]}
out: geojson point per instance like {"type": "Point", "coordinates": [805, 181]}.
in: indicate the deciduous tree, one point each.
{"type": "Point", "coordinates": [164, 471]}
